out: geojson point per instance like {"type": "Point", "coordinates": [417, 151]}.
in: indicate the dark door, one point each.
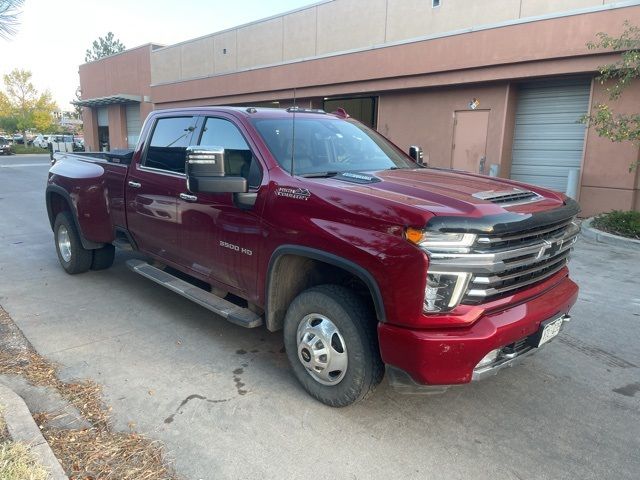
{"type": "Point", "coordinates": [218, 238]}
{"type": "Point", "coordinates": [154, 185]}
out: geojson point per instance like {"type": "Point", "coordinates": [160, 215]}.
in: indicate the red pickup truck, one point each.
{"type": "Point", "coordinates": [316, 225]}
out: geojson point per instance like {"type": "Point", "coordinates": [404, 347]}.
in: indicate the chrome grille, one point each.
{"type": "Point", "coordinates": [503, 264]}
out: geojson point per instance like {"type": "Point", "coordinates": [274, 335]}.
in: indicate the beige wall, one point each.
{"type": "Point", "coordinates": [348, 24]}
{"type": "Point", "coordinates": [337, 26]}
{"type": "Point", "coordinates": [300, 34]}
{"type": "Point", "coordinates": [260, 44]}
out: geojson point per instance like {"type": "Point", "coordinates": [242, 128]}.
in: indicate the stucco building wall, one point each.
{"type": "Point", "coordinates": [420, 64]}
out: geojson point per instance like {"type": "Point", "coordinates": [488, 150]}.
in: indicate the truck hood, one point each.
{"type": "Point", "coordinates": [443, 192]}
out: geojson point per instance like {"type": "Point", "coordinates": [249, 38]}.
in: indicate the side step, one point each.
{"type": "Point", "coordinates": [232, 312]}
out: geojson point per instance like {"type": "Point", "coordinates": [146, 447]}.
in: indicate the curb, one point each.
{"type": "Point", "coordinates": [22, 428]}
{"type": "Point", "coordinates": [603, 237]}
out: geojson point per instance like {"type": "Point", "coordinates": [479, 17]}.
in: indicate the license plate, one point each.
{"type": "Point", "coordinates": [550, 330]}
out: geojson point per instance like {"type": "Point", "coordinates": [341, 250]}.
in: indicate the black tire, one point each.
{"type": "Point", "coordinates": [80, 258]}
{"type": "Point", "coordinates": [103, 257]}
{"type": "Point", "coordinates": [356, 323]}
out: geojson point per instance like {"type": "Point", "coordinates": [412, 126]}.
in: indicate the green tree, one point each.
{"type": "Point", "coordinates": [9, 12]}
{"type": "Point", "coordinates": [617, 127]}
{"type": "Point", "coordinates": [103, 47]}
{"type": "Point", "coordinates": [25, 103]}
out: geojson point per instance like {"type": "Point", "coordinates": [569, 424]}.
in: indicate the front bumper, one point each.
{"type": "Point", "coordinates": [449, 356]}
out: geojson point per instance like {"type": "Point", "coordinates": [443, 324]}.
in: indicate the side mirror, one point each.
{"type": "Point", "coordinates": [205, 171]}
{"type": "Point", "coordinates": [417, 154]}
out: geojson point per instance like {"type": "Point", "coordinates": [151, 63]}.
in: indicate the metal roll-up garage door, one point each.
{"type": "Point", "coordinates": [549, 138]}
{"type": "Point", "coordinates": [103, 117]}
{"type": "Point", "coordinates": [133, 124]}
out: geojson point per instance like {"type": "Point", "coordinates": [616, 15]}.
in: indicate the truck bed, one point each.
{"type": "Point", "coordinates": [81, 172]}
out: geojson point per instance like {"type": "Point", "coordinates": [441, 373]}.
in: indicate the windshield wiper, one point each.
{"type": "Point", "coordinates": [319, 174]}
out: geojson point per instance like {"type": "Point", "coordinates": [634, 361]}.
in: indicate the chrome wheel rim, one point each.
{"type": "Point", "coordinates": [64, 243]}
{"type": "Point", "coordinates": [322, 349]}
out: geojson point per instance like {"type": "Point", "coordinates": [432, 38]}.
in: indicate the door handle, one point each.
{"type": "Point", "coordinates": [135, 184]}
{"type": "Point", "coordinates": [188, 198]}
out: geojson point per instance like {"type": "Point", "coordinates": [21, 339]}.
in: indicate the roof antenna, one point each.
{"type": "Point", "coordinates": [293, 131]}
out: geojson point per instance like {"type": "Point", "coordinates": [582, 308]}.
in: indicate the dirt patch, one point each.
{"type": "Point", "coordinates": [89, 453]}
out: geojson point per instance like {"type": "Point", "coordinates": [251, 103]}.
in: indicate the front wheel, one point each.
{"type": "Point", "coordinates": [73, 257]}
{"type": "Point", "coordinates": [332, 345]}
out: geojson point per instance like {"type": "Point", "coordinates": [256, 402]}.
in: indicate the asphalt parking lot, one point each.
{"type": "Point", "coordinates": [223, 401]}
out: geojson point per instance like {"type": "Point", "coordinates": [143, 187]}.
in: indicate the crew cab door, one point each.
{"type": "Point", "coordinates": [219, 238]}
{"type": "Point", "coordinates": [153, 186]}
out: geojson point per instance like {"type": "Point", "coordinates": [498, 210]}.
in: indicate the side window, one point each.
{"type": "Point", "coordinates": [168, 144]}
{"type": "Point", "coordinates": [240, 161]}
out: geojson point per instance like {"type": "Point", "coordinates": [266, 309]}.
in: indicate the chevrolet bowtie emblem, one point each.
{"type": "Point", "coordinates": [549, 249]}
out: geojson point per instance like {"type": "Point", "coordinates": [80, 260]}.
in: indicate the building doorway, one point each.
{"type": "Point", "coordinates": [469, 149]}
{"type": "Point", "coordinates": [363, 109]}
{"type": "Point", "coordinates": [103, 129]}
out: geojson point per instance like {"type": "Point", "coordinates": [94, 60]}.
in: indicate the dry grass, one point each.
{"type": "Point", "coordinates": [94, 453]}
{"type": "Point", "coordinates": [4, 435]}
{"type": "Point", "coordinates": [16, 463]}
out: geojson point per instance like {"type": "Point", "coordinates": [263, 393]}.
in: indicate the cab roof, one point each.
{"type": "Point", "coordinates": [257, 112]}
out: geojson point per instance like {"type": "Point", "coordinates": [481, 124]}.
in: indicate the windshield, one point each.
{"type": "Point", "coordinates": [328, 145]}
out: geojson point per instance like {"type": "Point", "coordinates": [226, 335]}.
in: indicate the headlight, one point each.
{"type": "Point", "coordinates": [441, 242]}
{"type": "Point", "coordinates": [444, 290]}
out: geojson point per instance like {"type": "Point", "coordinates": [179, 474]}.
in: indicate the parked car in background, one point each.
{"type": "Point", "coordinates": [40, 141]}
{"type": "Point", "coordinates": [18, 138]}
{"type": "Point", "coordinates": [5, 146]}
{"type": "Point", "coordinates": [60, 143]}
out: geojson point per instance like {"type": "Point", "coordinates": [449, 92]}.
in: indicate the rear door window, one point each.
{"type": "Point", "coordinates": [169, 140]}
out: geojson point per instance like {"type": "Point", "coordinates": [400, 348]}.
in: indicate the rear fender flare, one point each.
{"type": "Point", "coordinates": [51, 189]}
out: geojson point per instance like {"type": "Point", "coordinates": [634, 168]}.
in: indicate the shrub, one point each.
{"type": "Point", "coordinates": [626, 224]}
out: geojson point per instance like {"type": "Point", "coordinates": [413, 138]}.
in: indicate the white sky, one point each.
{"type": "Point", "coordinates": [53, 35]}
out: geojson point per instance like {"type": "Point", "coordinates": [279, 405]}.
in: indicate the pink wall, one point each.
{"type": "Point", "coordinates": [426, 118]}
{"type": "Point", "coordinates": [90, 127]}
{"type": "Point", "coordinates": [128, 72]}
{"type": "Point", "coordinates": [125, 73]}
{"type": "Point", "coordinates": [607, 183]}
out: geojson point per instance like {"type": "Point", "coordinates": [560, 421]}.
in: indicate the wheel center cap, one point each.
{"type": "Point", "coordinates": [305, 355]}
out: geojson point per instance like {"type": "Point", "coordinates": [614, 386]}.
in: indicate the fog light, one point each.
{"type": "Point", "coordinates": [489, 358]}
